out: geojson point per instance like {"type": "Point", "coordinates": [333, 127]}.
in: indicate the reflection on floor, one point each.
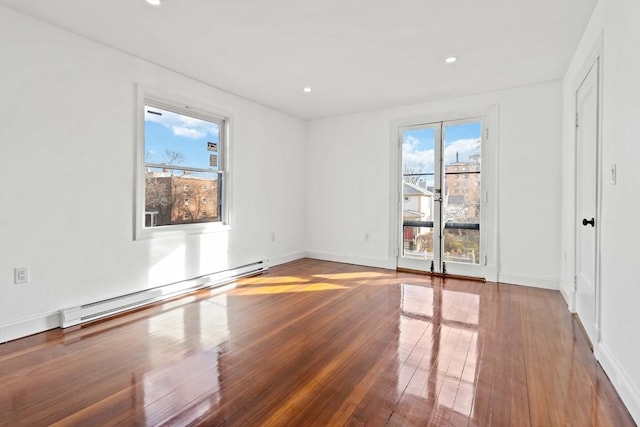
{"type": "Point", "coordinates": [319, 343]}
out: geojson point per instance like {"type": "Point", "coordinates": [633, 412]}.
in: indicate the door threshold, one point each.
{"type": "Point", "coordinates": [444, 276]}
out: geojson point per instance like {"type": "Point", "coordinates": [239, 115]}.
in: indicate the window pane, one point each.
{"type": "Point", "coordinates": [461, 204]}
{"type": "Point", "coordinates": [181, 197]}
{"type": "Point", "coordinates": [176, 139]}
{"type": "Point", "coordinates": [418, 242]}
{"type": "Point", "coordinates": [418, 153]}
{"type": "Point", "coordinates": [417, 203]}
{"type": "Point", "coordinates": [461, 246]}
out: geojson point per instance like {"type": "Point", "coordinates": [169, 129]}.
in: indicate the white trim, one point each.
{"type": "Point", "coordinates": [491, 273]}
{"type": "Point", "coordinates": [621, 381]}
{"type": "Point", "coordinates": [534, 282]}
{"type": "Point", "coordinates": [29, 326]}
{"type": "Point", "coordinates": [569, 294]}
{"type": "Point", "coordinates": [394, 186]}
{"type": "Point", "coordinates": [594, 58]}
{"type": "Point", "coordinates": [389, 264]}
{"type": "Point", "coordinates": [283, 259]}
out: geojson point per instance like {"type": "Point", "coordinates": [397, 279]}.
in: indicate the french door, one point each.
{"type": "Point", "coordinates": [441, 198]}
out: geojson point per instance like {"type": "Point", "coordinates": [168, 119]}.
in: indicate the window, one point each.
{"type": "Point", "coordinates": [182, 156]}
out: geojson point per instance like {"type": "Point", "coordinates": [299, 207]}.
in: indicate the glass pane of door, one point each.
{"type": "Point", "coordinates": [462, 192]}
{"type": "Point", "coordinates": [420, 147]}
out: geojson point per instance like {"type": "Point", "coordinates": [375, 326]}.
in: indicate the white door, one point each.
{"type": "Point", "coordinates": [586, 201]}
{"type": "Point", "coordinates": [441, 205]}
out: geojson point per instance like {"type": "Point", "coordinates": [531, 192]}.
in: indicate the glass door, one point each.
{"type": "Point", "coordinates": [441, 198]}
{"type": "Point", "coordinates": [420, 197]}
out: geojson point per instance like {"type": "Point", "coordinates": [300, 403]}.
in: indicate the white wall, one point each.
{"type": "Point", "coordinates": [619, 348]}
{"type": "Point", "coordinates": [67, 135]}
{"type": "Point", "coordinates": [349, 191]}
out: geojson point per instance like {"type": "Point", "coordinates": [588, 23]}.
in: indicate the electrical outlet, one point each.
{"type": "Point", "coordinates": [367, 237]}
{"type": "Point", "coordinates": [20, 275]}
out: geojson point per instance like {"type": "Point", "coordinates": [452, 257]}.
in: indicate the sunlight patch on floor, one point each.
{"type": "Point", "coordinates": [348, 276]}
{"type": "Point", "coordinates": [283, 289]}
{"type": "Point", "coordinates": [260, 280]}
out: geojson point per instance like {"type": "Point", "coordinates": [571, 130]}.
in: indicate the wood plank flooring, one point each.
{"type": "Point", "coordinates": [319, 343]}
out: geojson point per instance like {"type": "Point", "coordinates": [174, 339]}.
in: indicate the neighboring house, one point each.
{"type": "Point", "coordinates": [180, 199]}
{"type": "Point", "coordinates": [455, 207]}
{"type": "Point", "coordinates": [417, 206]}
{"type": "Point", "coordinates": [418, 203]}
{"type": "Point", "coordinates": [462, 189]}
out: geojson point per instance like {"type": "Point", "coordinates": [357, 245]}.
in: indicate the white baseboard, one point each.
{"type": "Point", "coordinates": [628, 391]}
{"type": "Point", "coordinates": [491, 273]}
{"type": "Point", "coordinates": [347, 259]}
{"type": "Point", "coordinates": [569, 295]}
{"type": "Point", "coordinates": [32, 325]}
{"type": "Point", "coordinates": [286, 258]}
{"type": "Point", "coordinates": [534, 282]}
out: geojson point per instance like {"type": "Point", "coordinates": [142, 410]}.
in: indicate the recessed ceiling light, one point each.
{"type": "Point", "coordinates": [153, 2]}
{"type": "Point", "coordinates": [307, 89]}
{"type": "Point", "coordinates": [450, 59]}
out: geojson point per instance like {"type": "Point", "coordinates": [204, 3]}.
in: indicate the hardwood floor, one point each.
{"type": "Point", "coordinates": [319, 343]}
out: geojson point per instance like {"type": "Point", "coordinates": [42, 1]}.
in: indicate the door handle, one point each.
{"type": "Point", "coordinates": [592, 221]}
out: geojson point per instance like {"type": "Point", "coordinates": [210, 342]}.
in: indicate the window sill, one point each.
{"type": "Point", "coordinates": [181, 230]}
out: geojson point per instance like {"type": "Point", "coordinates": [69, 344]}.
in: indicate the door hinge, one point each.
{"type": "Point", "coordinates": [576, 120]}
{"type": "Point", "coordinates": [485, 260]}
{"type": "Point", "coordinates": [486, 133]}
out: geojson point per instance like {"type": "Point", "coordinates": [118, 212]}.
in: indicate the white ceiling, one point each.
{"type": "Point", "coordinates": [356, 55]}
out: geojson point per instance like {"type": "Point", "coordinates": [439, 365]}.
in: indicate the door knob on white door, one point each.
{"type": "Point", "coordinates": [592, 221]}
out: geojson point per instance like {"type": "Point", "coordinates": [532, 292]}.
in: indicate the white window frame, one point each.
{"type": "Point", "coordinates": [181, 106]}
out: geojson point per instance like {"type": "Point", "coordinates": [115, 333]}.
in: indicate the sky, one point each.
{"type": "Point", "coordinates": [183, 134]}
{"type": "Point", "coordinates": [418, 145]}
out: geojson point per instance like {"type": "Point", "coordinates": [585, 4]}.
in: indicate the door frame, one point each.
{"type": "Point", "coordinates": [594, 59]}
{"type": "Point", "coordinates": [490, 171]}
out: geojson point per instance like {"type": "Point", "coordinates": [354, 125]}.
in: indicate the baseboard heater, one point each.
{"type": "Point", "coordinates": [108, 307]}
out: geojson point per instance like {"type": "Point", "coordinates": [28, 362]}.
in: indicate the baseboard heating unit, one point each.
{"type": "Point", "coordinates": [108, 307]}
